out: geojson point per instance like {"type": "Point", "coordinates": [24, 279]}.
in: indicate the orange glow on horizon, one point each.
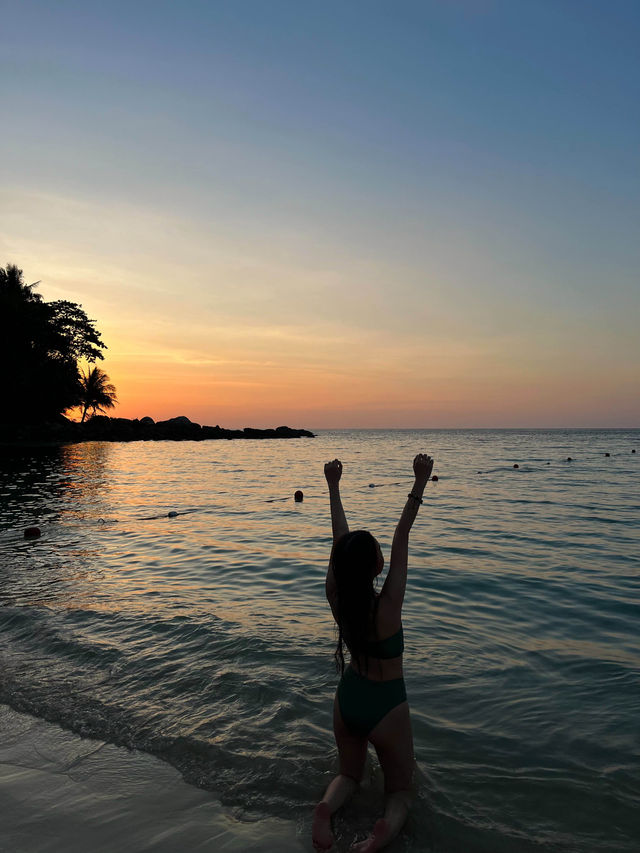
{"type": "Point", "coordinates": [300, 397]}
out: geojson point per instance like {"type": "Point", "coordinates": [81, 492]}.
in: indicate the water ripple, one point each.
{"type": "Point", "coordinates": [204, 638]}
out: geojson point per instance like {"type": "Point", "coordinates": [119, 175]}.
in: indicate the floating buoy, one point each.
{"type": "Point", "coordinates": [435, 478]}
{"type": "Point", "coordinates": [373, 485]}
{"type": "Point", "coordinates": [298, 496]}
{"type": "Point", "coordinates": [32, 533]}
{"type": "Point", "coordinates": [569, 459]}
{"type": "Point", "coordinates": [607, 454]}
{"type": "Point", "coordinates": [633, 451]}
{"type": "Point", "coordinates": [516, 465]}
{"type": "Point", "coordinates": [172, 514]}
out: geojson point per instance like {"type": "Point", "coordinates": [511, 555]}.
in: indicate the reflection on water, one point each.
{"type": "Point", "coordinates": [85, 469]}
{"type": "Point", "coordinates": [205, 638]}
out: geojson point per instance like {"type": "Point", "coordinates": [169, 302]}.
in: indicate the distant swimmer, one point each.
{"type": "Point", "coordinates": [370, 705]}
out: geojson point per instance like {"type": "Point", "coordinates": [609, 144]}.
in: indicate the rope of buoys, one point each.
{"type": "Point", "coordinates": [32, 533]}
{"type": "Point", "coordinates": [517, 466]}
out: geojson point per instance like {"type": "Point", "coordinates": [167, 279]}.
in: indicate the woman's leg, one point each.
{"type": "Point", "coordinates": [352, 751]}
{"type": "Point", "coordinates": [393, 742]}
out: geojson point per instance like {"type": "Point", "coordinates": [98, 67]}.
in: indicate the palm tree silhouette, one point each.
{"type": "Point", "coordinates": [96, 393]}
{"type": "Point", "coordinates": [12, 283]}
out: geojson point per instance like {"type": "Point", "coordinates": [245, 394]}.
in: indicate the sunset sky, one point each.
{"type": "Point", "coordinates": [367, 214]}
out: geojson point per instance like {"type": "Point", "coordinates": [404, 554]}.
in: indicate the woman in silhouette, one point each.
{"type": "Point", "coordinates": [371, 701]}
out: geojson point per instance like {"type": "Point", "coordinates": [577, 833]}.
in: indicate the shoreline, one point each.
{"type": "Point", "coordinates": [60, 791]}
{"type": "Point", "coordinates": [103, 428]}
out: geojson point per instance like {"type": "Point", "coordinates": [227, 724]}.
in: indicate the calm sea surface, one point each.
{"type": "Point", "coordinates": [205, 638]}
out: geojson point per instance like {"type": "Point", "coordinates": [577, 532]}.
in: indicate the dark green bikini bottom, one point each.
{"type": "Point", "coordinates": [363, 702]}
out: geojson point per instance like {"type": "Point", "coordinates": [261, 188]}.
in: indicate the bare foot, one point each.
{"type": "Point", "coordinates": [380, 836]}
{"type": "Point", "coordinates": [321, 834]}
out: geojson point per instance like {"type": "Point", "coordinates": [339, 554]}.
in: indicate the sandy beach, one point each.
{"type": "Point", "coordinates": [61, 793]}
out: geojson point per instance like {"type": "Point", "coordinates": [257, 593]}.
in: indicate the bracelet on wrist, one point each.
{"type": "Point", "coordinates": [414, 497]}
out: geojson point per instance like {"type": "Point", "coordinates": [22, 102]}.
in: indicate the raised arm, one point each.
{"type": "Point", "coordinates": [333, 472]}
{"type": "Point", "coordinates": [396, 581]}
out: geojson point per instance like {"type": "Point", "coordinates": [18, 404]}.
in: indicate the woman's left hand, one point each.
{"type": "Point", "coordinates": [422, 467]}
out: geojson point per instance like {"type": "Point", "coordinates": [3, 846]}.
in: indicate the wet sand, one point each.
{"type": "Point", "coordinates": [61, 792]}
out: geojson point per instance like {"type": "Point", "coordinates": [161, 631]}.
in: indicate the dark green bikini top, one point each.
{"type": "Point", "coordinates": [390, 647]}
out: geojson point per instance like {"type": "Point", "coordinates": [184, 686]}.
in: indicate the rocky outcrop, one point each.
{"type": "Point", "coordinates": [103, 428]}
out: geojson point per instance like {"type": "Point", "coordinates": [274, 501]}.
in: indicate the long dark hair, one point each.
{"type": "Point", "coordinates": [355, 558]}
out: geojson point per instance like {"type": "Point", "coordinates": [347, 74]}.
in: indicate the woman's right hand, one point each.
{"type": "Point", "coordinates": [333, 471]}
{"type": "Point", "coordinates": [422, 467]}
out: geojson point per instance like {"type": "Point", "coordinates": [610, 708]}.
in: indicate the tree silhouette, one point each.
{"type": "Point", "coordinates": [41, 344]}
{"type": "Point", "coordinates": [13, 287]}
{"type": "Point", "coordinates": [96, 392]}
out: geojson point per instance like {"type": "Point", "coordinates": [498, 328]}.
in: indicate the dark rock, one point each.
{"type": "Point", "coordinates": [259, 433]}
{"type": "Point", "coordinates": [288, 432]}
{"type": "Point", "coordinates": [98, 420]}
{"type": "Point", "coordinates": [181, 420]}
{"type": "Point", "coordinates": [178, 429]}
{"type": "Point", "coordinates": [104, 428]}
{"type": "Point", "coordinates": [213, 432]}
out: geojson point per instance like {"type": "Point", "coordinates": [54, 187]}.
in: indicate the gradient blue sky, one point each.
{"type": "Point", "coordinates": [336, 214]}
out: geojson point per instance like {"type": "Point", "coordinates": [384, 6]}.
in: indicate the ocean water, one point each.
{"type": "Point", "coordinates": [205, 638]}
